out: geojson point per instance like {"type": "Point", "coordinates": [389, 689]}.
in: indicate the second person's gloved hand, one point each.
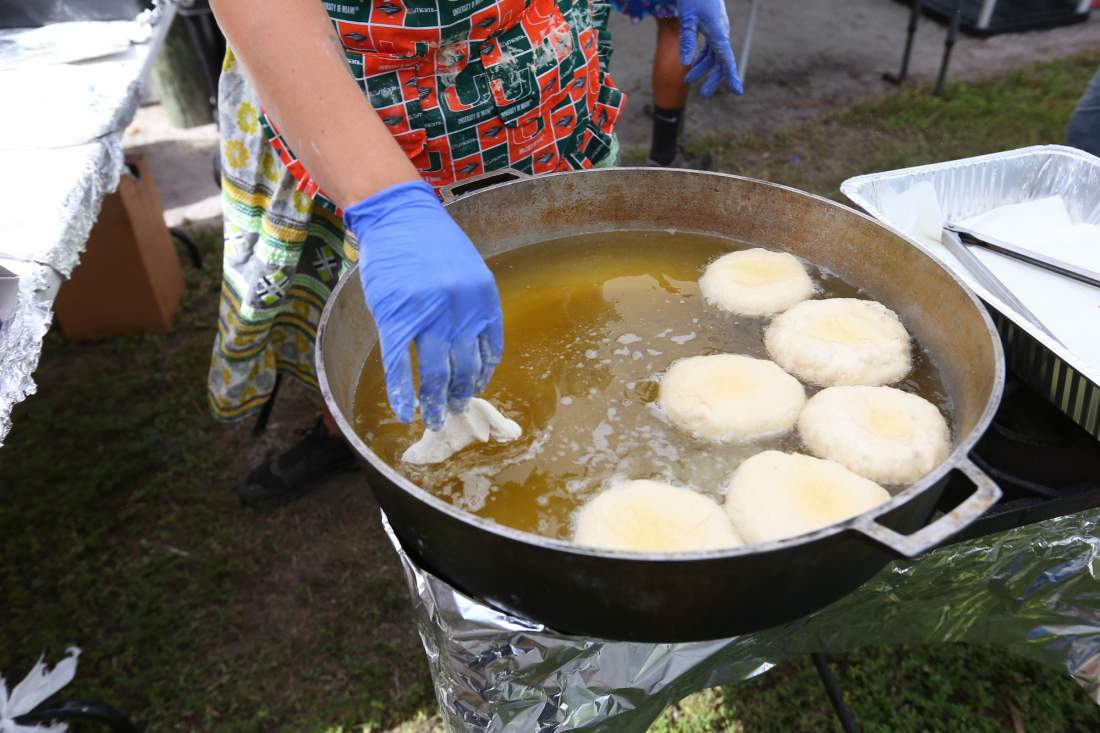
{"type": "Point", "coordinates": [426, 283]}
{"type": "Point", "coordinates": [715, 63]}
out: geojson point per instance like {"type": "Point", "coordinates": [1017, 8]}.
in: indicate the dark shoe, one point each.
{"type": "Point", "coordinates": [317, 456]}
{"type": "Point", "coordinates": [683, 159]}
{"type": "Point", "coordinates": [650, 112]}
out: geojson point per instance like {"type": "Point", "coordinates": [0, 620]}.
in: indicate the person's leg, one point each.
{"type": "Point", "coordinates": [669, 92]}
{"type": "Point", "coordinates": [1084, 125]}
{"type": "Point", "coordinates": [329, 421]}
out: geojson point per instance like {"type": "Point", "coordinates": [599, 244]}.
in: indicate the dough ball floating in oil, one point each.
{"type": "Point", "coordinates": [728, 398]}
{"type": "Point", "coordinates": [774, 495]}
{"type": "Point", "coordinates": [650, 516]}
{"type": "Point", "coordinates": [756, 282]}
{"type": "Point", "coordinates": [881, 433]}
{"type": "Point", "coordinates": [840, 341]}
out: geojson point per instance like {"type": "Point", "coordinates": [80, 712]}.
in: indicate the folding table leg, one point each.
{"type": "Point", "coordinates": [952, 35]}
{"type": "Point", "coordinates": [985, 15]}
{"type": "Point", "coordinates": [836, 695]}
{"type": "Point", "coordinates": [911, 31]}
{"type": "Point", "coordinates": [265, 411]}
{"type": "Point", "coordinates": [189, 244]}
{"type": "Point", "coordinates": [65, 710]}
{"type": "Point", "coordinates": [746, 45]}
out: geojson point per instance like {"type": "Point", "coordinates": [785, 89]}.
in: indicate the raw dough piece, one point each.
{"type": "Point", "coordinates": [1043, 226]}
{"type": "Point", "coordinates": [730, 398]}
{"type": "Point", "coordinates": [478, 424]}
{"type": "Point", "coordinates": [916, 211]}
{"type": "Point", "coordinates": [1024, 223]}
{"type": "Point", "coordinates": [881, 433]}
{"type": "Point", "coordinates": [840, 341]}
{"type": "Point", "coordinates": [775, 495]}
{"type": "Point", "coordinates": [650, 516]}
{"type": "Point", "coordinates": [756, 282]}
{"type": "Point", "coordinates": [1069, 308]}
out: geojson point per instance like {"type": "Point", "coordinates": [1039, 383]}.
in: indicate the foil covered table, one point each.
{"type": "Point", "coordinates": [1033, 591]}
{"type": "Point", "coordinates": [61, 150]}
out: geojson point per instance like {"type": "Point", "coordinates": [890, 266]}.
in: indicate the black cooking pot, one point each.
{"type": "Point", "coordinates": [699, 595]}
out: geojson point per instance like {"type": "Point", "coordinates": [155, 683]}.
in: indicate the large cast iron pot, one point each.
{"type": "Point", "coordinates": [704, 595]}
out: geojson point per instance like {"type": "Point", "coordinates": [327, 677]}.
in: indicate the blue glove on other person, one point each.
{"type": "Point", "coordinates": [425, 283]}
{"type": "Point", "coordinates": [714, 63]}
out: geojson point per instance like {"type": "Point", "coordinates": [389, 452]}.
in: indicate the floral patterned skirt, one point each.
{"type": "Point", "coordinates": [284, 251]}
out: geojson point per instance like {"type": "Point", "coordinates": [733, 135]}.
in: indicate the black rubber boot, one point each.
{"type": "Point", "coordinates": [703, 162]}
{"type": "Point", "coordinates": [289, 476]}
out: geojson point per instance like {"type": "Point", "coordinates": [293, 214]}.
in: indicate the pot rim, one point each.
{"type": "Point", "coordinates": [957, 456]}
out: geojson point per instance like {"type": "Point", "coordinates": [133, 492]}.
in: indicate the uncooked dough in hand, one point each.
{"type": "Point", "coordinates": [840, 341]}
{"type": "Point", "coordinates": [730, 398]}
{"type": "Point", "coordinates": [775, 495]}
{"type": "Point", "coordinates": [881, 433]}
{"type": "Point", "coordinates": [650, 516]}
{"type": "Point", "coordinates": [480, 423]}
{"type": "Point", "coordinates": [756, 282]}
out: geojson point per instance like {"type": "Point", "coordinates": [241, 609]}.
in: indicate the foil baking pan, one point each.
{"type": "Point", "coordinates": [971, 186]}
{"type": "Point", "coordinates": [9, 290]}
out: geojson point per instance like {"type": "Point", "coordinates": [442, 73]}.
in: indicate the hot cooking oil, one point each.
{"type": "Point", "coordinates": [591, 323]}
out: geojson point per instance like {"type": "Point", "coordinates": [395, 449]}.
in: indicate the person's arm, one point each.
{"type": "Point", "coordinates": [293, 58]}
{"type": "Point", "coordinates": [423, 280]}
{"type": "Point", "coordinates": [714, 62]}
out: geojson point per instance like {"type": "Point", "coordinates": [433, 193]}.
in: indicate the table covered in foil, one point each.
{"type": "Point", "coordinates": [70, 90]}
{"type": "Point", "coordinates": [1033, 591]}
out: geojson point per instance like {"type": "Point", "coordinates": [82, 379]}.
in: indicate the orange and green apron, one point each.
{"type": "Point", "coordinates": [465, 87]}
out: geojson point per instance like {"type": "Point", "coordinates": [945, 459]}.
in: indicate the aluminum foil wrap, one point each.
{"type": "Point", "coordinates": [59, 194]}
{"type": "Point", "coordinates": [61, 102]}
{"type": "Point", "coordinates": [41, 240]}
{"type": "Point", "coordinates": [67, 105]}
{"type": "Point", "coordinates": [1033, 591]}
{"type": "Point", "coordinates": [65, 42]}
{"type": "Point", "coordinates": [971, 186]}
{"type": "Point", "coordinates": [21, 337]}
{"type": "Point", "coordinates": [61, 153]}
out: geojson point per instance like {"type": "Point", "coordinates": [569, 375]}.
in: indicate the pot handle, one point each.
{"type": "Point", "coordinates": [456, 190]}
{"type": "Point", "coordinates": [986, 493]}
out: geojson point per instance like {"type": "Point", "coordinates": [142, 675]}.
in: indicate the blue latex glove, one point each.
{"type": "Point", "coordinates": [425, 283]}
{"type": "Point", "coordinates": [714, 62]}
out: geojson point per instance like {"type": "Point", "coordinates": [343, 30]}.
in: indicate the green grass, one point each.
{"type": "Point", "coordinates": [936, 687]}
{"type": "Point", "coordinates": [119, 532]}
{"type": "Point", "coordinates": [1028, 106]}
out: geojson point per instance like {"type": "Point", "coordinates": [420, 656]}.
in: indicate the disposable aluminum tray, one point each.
{"type": "Point", "coordinates": [971, 186]}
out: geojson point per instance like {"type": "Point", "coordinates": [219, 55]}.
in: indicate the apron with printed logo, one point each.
{"type": "Point", "coordinates": [465, 87]}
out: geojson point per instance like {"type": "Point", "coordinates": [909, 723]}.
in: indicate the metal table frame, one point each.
{"type": "Point", "coordinates": [985, 15]}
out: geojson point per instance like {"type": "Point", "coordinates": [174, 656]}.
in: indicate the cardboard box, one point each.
{"type": "Point", "coordinates": [129, 276]}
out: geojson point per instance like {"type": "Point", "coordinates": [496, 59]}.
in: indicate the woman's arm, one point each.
{"type": "Point", "coordinates": [293, 57]}
{"type": "Point", "coordinates": [424, 281]}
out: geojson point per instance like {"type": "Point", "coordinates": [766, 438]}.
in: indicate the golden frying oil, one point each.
{"type": "Point", "coordinates": [591, 323]}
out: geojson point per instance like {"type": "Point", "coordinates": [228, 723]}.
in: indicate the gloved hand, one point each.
{"type": "Point", "coordinates": [715, 60]}
{"type": "Point", "coordinates": [425, 282]}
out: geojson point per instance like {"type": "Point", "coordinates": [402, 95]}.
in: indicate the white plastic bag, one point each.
{"type": "Point", "coordinates": [37, 687]}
